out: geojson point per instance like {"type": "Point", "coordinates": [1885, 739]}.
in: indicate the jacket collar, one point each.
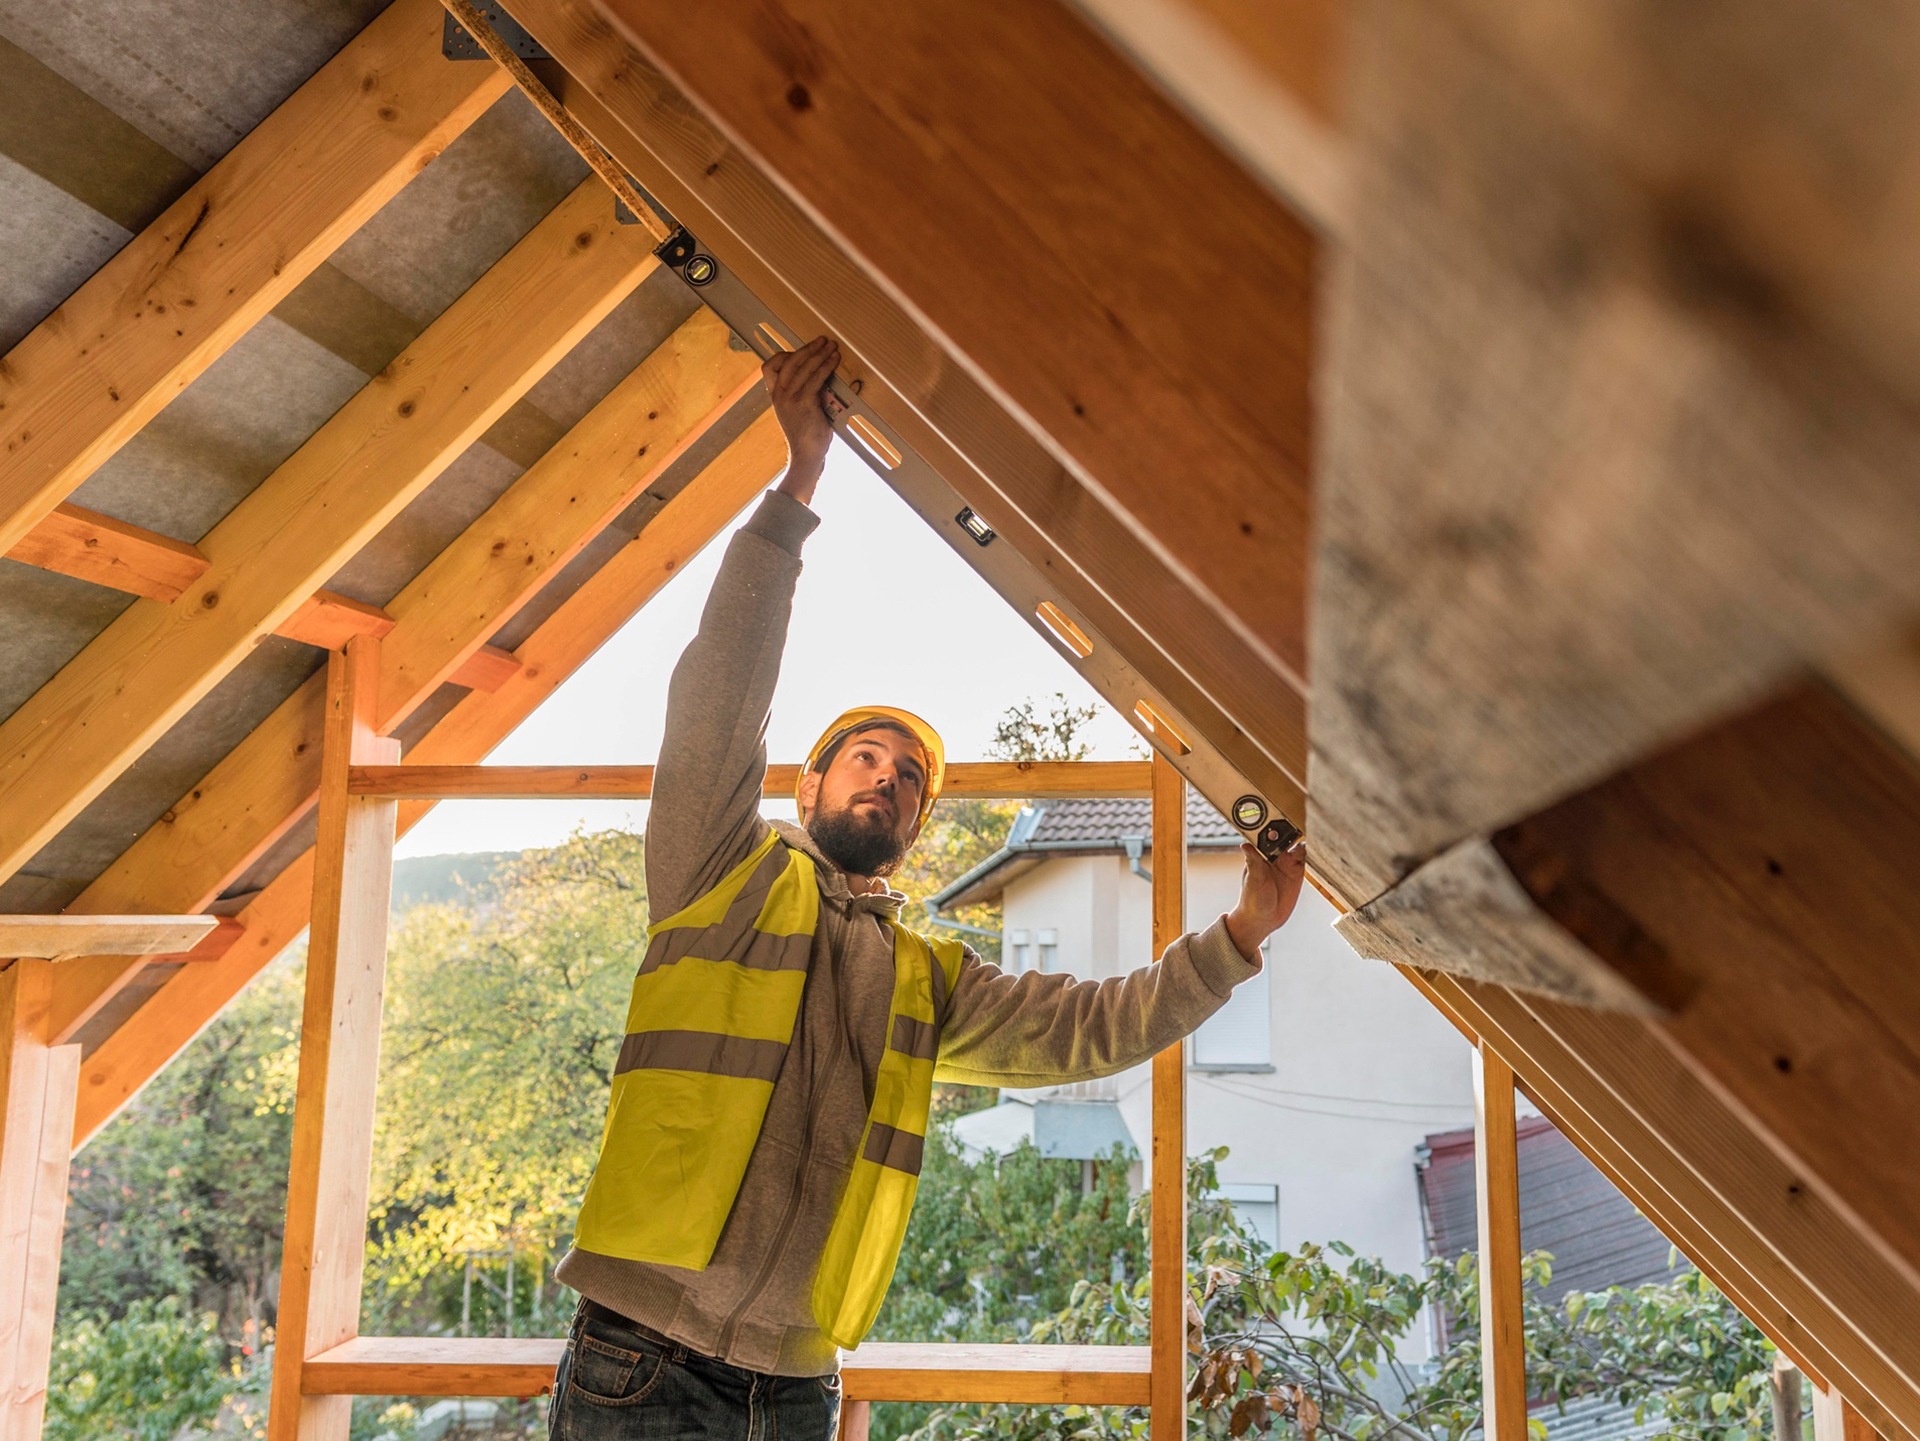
{"type": "Point", "coordinates": [833, 881]}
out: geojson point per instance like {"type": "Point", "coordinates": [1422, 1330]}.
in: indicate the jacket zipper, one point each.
{"type": "Point", "coordinates": [792, 1211]}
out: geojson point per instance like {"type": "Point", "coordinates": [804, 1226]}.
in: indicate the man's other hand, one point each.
{"type": "Point", "coordinates": [1269, 890]}
{"type": "Point", "coordinates": [796, 379]}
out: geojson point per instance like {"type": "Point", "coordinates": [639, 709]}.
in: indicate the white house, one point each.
{"type": "Point", "coordinates": [1323, 1075]}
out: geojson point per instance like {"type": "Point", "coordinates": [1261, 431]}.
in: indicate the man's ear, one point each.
{"type": "Point", "coordinates": [809, 794]}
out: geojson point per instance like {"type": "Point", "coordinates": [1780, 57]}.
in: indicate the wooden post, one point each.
{"type": "Point", "coordinates": [325, 1244]}
{"type": "Point", "coordinates": [1168, 1259]}
{"type": "Point", "coordinates": [1786, 1399]}
{"type": "Point", "coordinates": [38, 1086]}
{"type": "Point", "coordinates": [1496, 1171]}
{"type": "Point", "coordinates": [1835, 1419]}
{"type": "Point", "coordinates": [856, 1420]}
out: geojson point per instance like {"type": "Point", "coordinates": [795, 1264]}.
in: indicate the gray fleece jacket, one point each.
{"type": "Point", "coordinates": [751, 1306]}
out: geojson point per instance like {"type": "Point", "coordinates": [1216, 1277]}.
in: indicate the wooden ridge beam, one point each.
{"type": "Point", "coordinates": [242, 237]}
{"type": "Point", "coordinates": [877, 1371]}
{"type": "Point", "coordinates": [623, 448]}
{"type": "Point", "coordinates": [997, 780]}
{"type": "Point", "coordinates": [1118, 587]}
{"type": "Point", "coordinates": [1153, 330]}
{"type": "Point", "coordinates": [1730, 1202]}
{"type": "Point", "coordinates": [77, 733]}
{"type": "Point", "coordinates": [177, 1012]}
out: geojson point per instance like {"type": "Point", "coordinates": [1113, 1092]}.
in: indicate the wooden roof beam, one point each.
{"type": "Point", "coordinates": [192, 997]}
{"type": "Point", "coordinates": [1125, 596]}
{"type": "Point", "coordinates": [62, 938]}
{"type": "Point", "coordinates": [998, 780]}
{"type": "Point", "coordinates": [440, 622]}
{"type": "Point", "coordinates": [141, 674]}
{"type": "Point", "coordinates": [242, 237]}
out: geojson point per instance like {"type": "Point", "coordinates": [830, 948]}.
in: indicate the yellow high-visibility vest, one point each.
{"type": "Point", "coordinates": [714, 1010]}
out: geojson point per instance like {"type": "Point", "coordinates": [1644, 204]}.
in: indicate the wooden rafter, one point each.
{"type": "Point", "coordinates": [477, 583]}
{"type": "Point", "coordinates": [102, 710]}
{"type": "Point", "coordinates": [218, 259]}
{"type": "Point", "coordinates": [175, 1014]}
{"type": "Point", "coordinates": [1746, 1217]}
{"type": "Point", "coordinates": [1216, 683]}
{"type": "Point", "coordinates": [1153, 329]}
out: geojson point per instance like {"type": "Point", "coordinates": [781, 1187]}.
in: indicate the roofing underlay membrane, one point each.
{"type": "Point", "coordinates": [107, 113]}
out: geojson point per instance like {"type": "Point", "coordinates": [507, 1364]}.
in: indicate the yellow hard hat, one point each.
{"type": "Point", "coordinates": [864, 715]}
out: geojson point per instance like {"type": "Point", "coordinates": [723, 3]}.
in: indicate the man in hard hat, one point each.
{"type": "Point", "coordinates": [771, 1096]}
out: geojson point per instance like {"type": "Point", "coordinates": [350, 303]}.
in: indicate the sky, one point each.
{"type": "Point", "coordinates": [959, 656]}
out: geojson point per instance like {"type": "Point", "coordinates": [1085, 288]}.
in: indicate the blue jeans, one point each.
{"type": "Point", "coordinates": [621, 1382]}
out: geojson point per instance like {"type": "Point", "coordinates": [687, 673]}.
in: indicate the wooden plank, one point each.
{"type": "Point", "coordinates": [79, 731]}
{"type": "Point", "coordinates": [328, 620]}
{"type": "Point", "coordinates": [1758, 878]}
{"type": "Point", "coordinates": [1496, 1176]}
{"type": "Point", "coordinates": [1167, 1253]}
{"type": "Point", "coordinates": [224, 254]}
{"type": "Point", "coordinates": [61, 938]}
{"type": "Point", "coordinates": [1611, 446]}
{"type": "Point", "coordinates": [877, 1371]}
{"type": "Point", "coordinates": [325, 1239]}
{"type": "Point", "coordinates": [94, 547]}
{"type": "Point", "coordinates": [1734, 1206]}
{"type": "Point", "coordinates": [37, 1087]}
{"type": "Point", "coordinates": [179, 1010]}
{"type": "Point", "coordinates": [1263, 78]}
{"type": "Point", "coordinates": [930, 140]}
{"type": "Point", "coordinates": [998, 780]}
{"type": "Point", "coordinates": [1104, 572]}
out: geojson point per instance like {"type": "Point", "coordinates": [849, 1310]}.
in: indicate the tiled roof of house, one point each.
{"type": "Point", "coordinates": [1081, 826]}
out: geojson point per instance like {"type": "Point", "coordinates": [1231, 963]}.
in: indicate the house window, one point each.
{"type": "Point", "coordinates": [1238, 1036]}
{"type": "Point", "coordinates": [1258, 1209]}
{"type": "Point", "coordinates": [1018, 943]}
{"type": "Point", "coordinates": [1049, 942]}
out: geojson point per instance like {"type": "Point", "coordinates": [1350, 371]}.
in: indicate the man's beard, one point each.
{"type": "Point", "coordinates": [859, 845]}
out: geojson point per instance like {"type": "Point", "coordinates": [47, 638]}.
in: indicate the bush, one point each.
{"type": "Point", "coordinates": [140, 1376]}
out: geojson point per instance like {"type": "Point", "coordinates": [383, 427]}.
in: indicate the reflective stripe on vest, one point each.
{"type": "Point", "coordinates": [871, 1220]}
{"type": "Point", "coordinates": [713, 1012]}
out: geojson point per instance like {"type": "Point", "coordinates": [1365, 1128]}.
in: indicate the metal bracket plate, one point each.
{"type": "Point", "coordinates": [457, 44]}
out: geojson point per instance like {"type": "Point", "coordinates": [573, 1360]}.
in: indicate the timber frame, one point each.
{"type": "Point", "coordinates": [1559, 409]}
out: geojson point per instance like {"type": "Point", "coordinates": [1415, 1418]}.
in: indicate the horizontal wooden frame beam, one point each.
{"type": "Point", "coordinates": [877, 1371]}
{"type": "Point", "coordinates": [61, 938]}
{"type": "Point", "coordinates": [150, 320]}
{"type": "Point", "coordinates": [972, 780]}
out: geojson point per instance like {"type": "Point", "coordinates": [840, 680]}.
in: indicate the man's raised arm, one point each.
{"type": "Point", "coordinates": [705, 813]}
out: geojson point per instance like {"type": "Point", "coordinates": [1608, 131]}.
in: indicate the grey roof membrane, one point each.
{"type": "Point", "coordinates": [107, 113]}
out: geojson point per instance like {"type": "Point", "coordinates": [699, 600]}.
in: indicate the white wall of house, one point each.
{"type": "Point", "coordinates": [1322, 1076]}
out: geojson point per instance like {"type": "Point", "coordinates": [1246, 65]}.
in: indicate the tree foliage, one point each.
{"type": "Point", "coordinates": [1310, 1343]}
{"type": "Point", "coordinates": [140, 1376]}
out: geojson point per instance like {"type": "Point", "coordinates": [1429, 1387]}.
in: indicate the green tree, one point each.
{"type": "Point", "coordinates": [502, 1025]}
{"type": "Point", "coordinates": [139, 1376]}
{"type": "Point", "coordinates": [1308, 1342]}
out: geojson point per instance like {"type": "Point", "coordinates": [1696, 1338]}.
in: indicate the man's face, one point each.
{"type": "Point", "coordinates": [864, 810]}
